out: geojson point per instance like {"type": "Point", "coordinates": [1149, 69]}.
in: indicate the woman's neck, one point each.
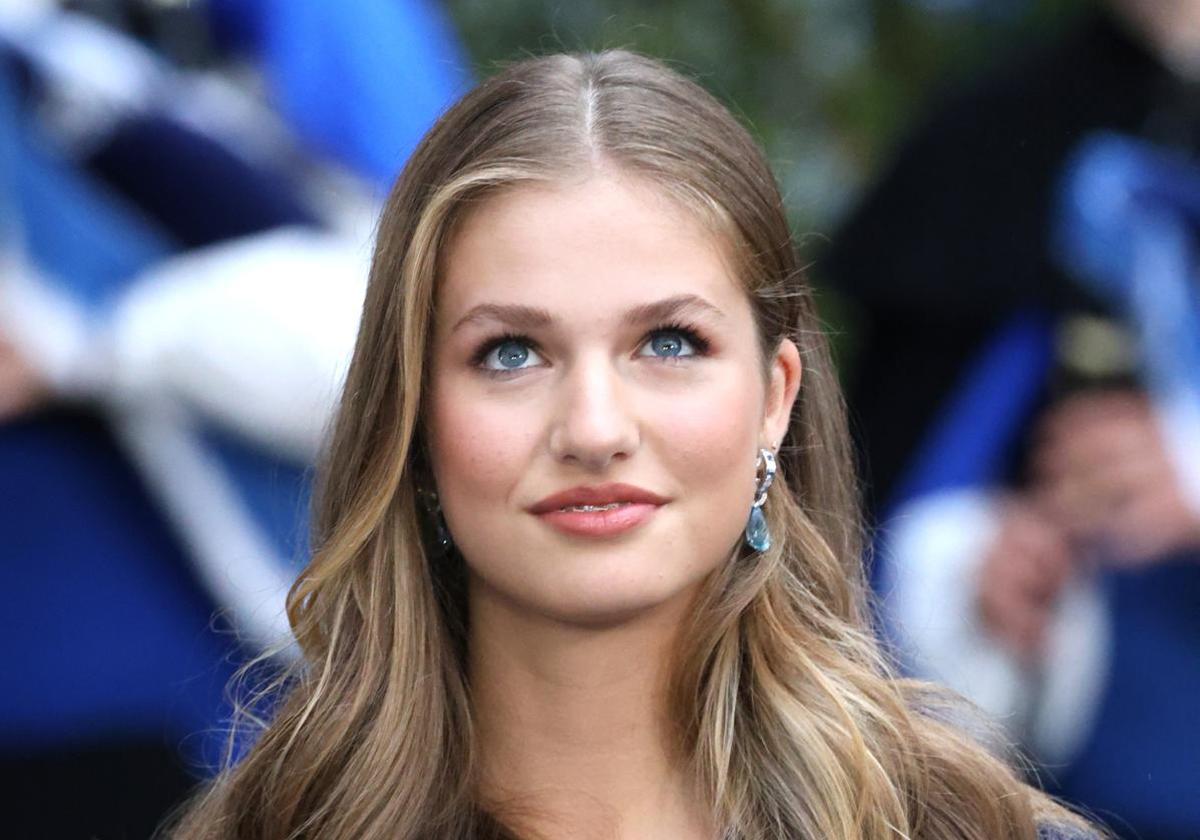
{"type": "Point", "coordinates": [572, 724]}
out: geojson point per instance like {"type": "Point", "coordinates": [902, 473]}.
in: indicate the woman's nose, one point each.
{"type": "Point", "coordinates": [596, 422]}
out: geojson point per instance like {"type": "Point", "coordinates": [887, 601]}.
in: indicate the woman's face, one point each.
{"type": "Point", "coordinates": [593, 334]}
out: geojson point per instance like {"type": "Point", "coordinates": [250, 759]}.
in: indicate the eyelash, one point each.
{"type": "Point", "coordinates": [698, 342]}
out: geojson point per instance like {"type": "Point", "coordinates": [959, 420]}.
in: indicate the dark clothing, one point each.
{"type": "Point", "coordinates": [955, 236]}
{"type": "Point", "coordinates": [191, 185]}
{"type": "Point", "coordinates": [953, 242]}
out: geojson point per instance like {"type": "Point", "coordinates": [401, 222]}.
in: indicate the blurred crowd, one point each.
{"type": "Point", "coordinates": [187, 198]}
{"type": "Point", "coordinates": [1027, 399]}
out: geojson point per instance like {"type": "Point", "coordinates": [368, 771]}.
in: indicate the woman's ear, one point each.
{"type": "Point", "coordinates": [783, 384]}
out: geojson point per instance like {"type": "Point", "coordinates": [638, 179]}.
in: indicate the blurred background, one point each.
{"type": "Point", "coordinates": [996, 198]}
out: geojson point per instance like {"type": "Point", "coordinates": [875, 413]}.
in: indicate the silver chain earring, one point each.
{"type": "Point", "coordinates": [442, 542]}
{"type": "Point", "coordinates": [758, 536]}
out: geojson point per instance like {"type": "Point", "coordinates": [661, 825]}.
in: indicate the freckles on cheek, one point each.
{"type": "Point", "coordinates": [482, 447]}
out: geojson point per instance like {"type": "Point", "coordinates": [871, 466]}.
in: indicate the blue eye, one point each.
{"type": "Point", "coordinates": [670, 344]}
{"type": "Point", "coordinates": [507, 354]}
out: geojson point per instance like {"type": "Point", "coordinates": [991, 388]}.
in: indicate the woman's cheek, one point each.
{"type": "Point", "coordinates": [700, 427]}
{"type": "Point", "coordinates": [483, 444]}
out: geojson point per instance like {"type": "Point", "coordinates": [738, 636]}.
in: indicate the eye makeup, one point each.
{"type": "Point", "coordinates": [690, 334]}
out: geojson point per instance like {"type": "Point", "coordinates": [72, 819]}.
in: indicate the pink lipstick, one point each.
{"type": "Point", "coordinates": [600, 523]}
{"type": "Point", "coordinates": [598, 511]}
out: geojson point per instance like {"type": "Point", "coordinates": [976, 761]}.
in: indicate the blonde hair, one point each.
{"type": "Point", "coordinates": [790, 720]}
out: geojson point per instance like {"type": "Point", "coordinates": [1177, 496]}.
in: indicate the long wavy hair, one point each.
{"type": "Point", "coordinates": [790, 720]}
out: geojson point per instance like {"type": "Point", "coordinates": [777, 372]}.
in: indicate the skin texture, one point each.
{"type": "Point", "coordinates": [571, 637]}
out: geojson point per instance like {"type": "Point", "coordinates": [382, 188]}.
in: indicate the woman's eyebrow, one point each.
{"type": "Point", "coordinates": [521, 317]}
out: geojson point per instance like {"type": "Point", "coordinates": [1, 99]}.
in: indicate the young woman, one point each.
{"type": "Point", "coordinates": [587, 560]}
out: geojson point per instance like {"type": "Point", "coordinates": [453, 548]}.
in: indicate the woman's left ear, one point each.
{"type": "Point", "coordinates": [782, 387]}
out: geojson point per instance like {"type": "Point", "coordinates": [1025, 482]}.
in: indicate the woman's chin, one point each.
{"type": "Point", "coordinates": [595, 604]}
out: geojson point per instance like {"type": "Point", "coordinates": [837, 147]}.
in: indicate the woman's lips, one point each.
{"type": "Point", "coordinates": [600, 523]}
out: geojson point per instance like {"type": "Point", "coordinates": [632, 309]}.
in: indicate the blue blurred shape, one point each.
{"type": "Point", "coordinates": [358, 80]}
{"type": "Point", "coordinates": [105, 633]}
{"type": "Point", "coordinates": [1128, 216]}
{"type": "Point", "coordinates": [970, 442]}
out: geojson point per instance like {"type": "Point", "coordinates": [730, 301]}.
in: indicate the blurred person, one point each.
{"type": "Point", "coordinates": [587, 559]}
{"type": "Point", "coordinates": [182, 278]}
{"type": "Point", "coordinates": [1039, 527]}
{"type": "Point", "coordinates": [141, 431]}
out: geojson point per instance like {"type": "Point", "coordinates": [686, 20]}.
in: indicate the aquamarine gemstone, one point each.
{"type": "Point", "coordinates": [757, 535]}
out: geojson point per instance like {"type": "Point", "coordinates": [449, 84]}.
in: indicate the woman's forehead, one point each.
{"type": "Point", "coordinates": [606, 245]}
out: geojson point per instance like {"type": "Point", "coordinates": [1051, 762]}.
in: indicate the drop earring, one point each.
{"type": "Point", "coordinates": [442, 542]}
{"type": "Point", "coordinates": [758, 536]}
